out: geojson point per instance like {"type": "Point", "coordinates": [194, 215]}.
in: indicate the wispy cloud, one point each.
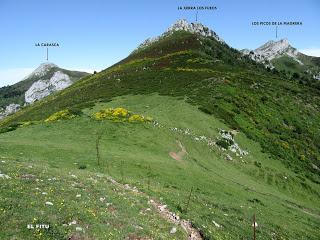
{"type": "Point", "coordinates": [13, 75]}
{"type": "Point", "coordinates": [311, 51]}
{"type": "Point", "coordinates": [82, 69]}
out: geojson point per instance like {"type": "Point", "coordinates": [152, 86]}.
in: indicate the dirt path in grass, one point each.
{"type": "Point", "coordinates": [302, 209]}
{"type": "Point", "coordinates": [193, 233]}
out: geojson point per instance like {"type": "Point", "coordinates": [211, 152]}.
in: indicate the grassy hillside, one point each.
{"type": "Point", "coordinates": [282, 115]}
{"type": "Point", "coordinates": [300, 72]}
{"type": "Point", "coordinates": [188, 82]}
{"type": "Point", "coordinates": [61, 161]}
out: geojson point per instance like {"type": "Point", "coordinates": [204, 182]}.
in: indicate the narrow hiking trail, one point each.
{"type": "Point", "coordinates": [193, 233]}
{"type": "Point", "coordinates": [28, 172]}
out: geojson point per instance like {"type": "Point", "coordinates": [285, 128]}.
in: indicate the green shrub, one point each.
{"type": "Point", "coordinates": [257, 164]}
{"type": "Point", "coordinates": [205, 110]}
{"type": "Point", "coordinates": [10, 128]}
{"type": "Point", "coordinates": [224, 143]}
{"type": "Point", "coordinates": [82, 166]}
{"type": "Point", "coordinates": [75, 111]}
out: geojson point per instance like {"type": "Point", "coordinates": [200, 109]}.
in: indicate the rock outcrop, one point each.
{"type": "Point", "coordinates": [183, 25]}
{"type": "Point", "coordinates": [44, 87]}
{"type": "Point", "coordinates": [10, 109]}
{"type": "Point", "coordinates": [317, 76]}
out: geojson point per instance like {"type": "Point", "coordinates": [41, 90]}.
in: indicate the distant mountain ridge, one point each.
{"type": "Point", "coordinates": [43, 81]}
{"type": "Point", "coordinates": [271, 50]}
{"type": "Point", "coordinates": [280, 55]}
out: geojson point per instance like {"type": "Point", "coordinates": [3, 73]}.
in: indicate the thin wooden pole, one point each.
{"type": "Point", "coordinates": [121, 171]}
{"type": "Point", "coordinates": [254, 227]}
{"type": "Point", "coordinates": [149, 175]}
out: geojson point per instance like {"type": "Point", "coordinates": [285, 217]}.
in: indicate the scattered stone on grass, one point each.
{"type": "Point", "coordinates": [74, 222]}
{"type": "Point", "coordinates": [4, 176]}
{"type": "Point", "coordinates": [216, 224]}
{"type": "Point", "coordinates": [173, 230]}
{"type": "Point", "coordinates": [229, 158]}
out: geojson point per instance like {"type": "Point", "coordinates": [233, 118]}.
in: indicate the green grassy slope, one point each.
{"type": "Point", "coordinates": [301, 72]}
{"type": "Point", "coordinates": [282, 115]}
{"type": "Point", "coordinates": [225, 192]}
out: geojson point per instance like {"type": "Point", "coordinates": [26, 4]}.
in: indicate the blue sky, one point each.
{"type": "Point", "coordinates": [94, 34]}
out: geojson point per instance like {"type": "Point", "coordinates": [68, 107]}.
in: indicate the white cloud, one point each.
{"type": "Point", "coordinates": [81, 70]}
{"type": "Point", "coordinates": [311, 51]}
{"type": "Point", "coordinates": [13, 75]}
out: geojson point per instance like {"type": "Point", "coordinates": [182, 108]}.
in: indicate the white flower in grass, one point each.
{"type": "Point", "coordinates": [79, 229]}
{"type": "Point", "coordinates": [74, 222]}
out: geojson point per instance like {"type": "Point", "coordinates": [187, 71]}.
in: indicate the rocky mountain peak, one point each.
{"type": "Point", "coordinates": [273, 49]}
{"type": "Point", "coordinates": [42, 70]}
{"type": "Point", "coordinates": [184, 25]}
{"type": "Point", "coordinates": [197, 28]}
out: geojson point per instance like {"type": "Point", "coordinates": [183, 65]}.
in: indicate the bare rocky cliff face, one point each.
{"type": "Point", "coordinates": [11, 108]}
{"type": "Point", "coordinates": [44, 87]}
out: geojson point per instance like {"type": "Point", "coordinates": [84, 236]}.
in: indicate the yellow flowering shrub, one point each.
{"type": "Point", "coordinates": [120, 112]}
{"type": "Point", "coordinates": [120, 115]}
{"type": "Point", "coordinates": [103, 114]}
{"type": "Point", "coordinates": [302, 157]}
{"type": "Point", "coordinates": [195, 69]}
{"type": "Point", "coordinates": [110, 113]}
{"type": "Point", "coordinates": [61, 115]}
{"type": "Point", "coordinates": [25, 124]}
{"type": "Point", "coordinates": [136, 118]}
